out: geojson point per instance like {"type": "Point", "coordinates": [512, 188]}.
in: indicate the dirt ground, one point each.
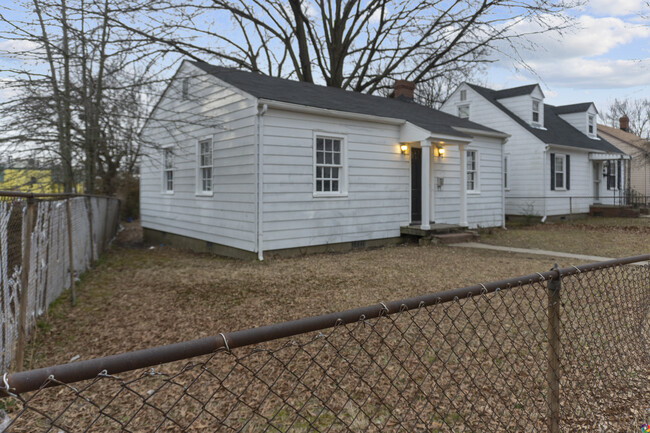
{"type": "Point", "coordinates": [140, 296]}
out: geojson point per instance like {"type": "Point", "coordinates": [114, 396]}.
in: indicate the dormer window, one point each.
{"type": "Point", "coordinates": [463, 95]}
{"type": "Point", "coordinates": [536, 112]}
{"type": "Point", "coordinates": [592, 126]}
{"type": "Point", "coordinates": [463, 111]}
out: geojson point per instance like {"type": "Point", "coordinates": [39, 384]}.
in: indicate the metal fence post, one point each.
{"type": "Point", "coordinates": [553, 371]}
{"type": "Point", "coordinates": [70, 253]}
{"type": "Point", "coordinates": [89, 200]}
{"type": "Point", "coordinates": [24, 284]}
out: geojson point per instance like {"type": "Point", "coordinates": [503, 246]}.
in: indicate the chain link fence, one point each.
{"type": "Point", "coordinates": [562, 350]}
{"type": "Point", "coordinates": [46, 241]}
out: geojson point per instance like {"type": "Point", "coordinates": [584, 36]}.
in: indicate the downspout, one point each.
{"type": "Point", "coordinates": [544, 184]}
{"type": "Point", "coordinates": [260, 181]}
{"type": "Point", "coordinates": [503, 185]}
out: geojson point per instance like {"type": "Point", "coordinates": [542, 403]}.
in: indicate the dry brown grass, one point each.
{"type": "Point", "coordinates": [606, 237]}
{"type": "Point", "coordinates": [137, 298]}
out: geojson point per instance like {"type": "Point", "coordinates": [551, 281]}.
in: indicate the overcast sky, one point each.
{"type": "Point", "coordinates": [607, 57]}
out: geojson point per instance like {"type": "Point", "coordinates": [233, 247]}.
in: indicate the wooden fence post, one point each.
{"type": "Point", "coordinates": [553, 371]}
{"type": "Point", "coordinates": [24, 284]}
{"type": "Point", "coordinates": [70, 253]}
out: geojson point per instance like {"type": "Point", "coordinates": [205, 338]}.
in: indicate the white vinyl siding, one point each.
{"type": "Point", "coordinates": [329, 166]}
{"type": "Point", "coordinates": [205, 163]}
{"type": "Point", "coordinates": [214, 110]}
{"type": "Point", "coordinates": [168, 170]}
{"type": "Point", "coordinates": [472, 171]}
{"type": "Point", "coordinates": [378, 179]}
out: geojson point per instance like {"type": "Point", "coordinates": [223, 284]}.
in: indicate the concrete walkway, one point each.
{"type": "Point", "coordinates": [535, 251]}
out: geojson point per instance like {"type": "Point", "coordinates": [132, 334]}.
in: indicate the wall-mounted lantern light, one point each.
{"type": "Point", "coordinates": [404, 148]}
{"type": "Point", "coordinates": [439, 151]}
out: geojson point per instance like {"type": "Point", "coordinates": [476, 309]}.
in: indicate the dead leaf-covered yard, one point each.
{"type": "Point", "coordinates": [138, 297]}
{"type": "Point", "coordinates": [488, 349]}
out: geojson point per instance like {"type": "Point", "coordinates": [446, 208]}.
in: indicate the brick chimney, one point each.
{"type": "Point", "coordinates": [624, 123]}
{"type": "Point", "coordinates": [403, 90]}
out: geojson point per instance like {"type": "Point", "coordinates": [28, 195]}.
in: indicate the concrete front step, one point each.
{"type": "Point", "coordinates": [455, 238]}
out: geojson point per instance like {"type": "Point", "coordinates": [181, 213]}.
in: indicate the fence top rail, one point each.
{"type": "Point", "coordinates": [19, 194]}
{"type": "Point", "coordinates": [18, 383]}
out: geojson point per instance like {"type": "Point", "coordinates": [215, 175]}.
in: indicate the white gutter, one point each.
{"type": "Point", "coordinates": [472, 131]}
{"type": "Point", "coordinates": [503, 186]}
{"type": "Point", "coordinates": [333, 113]}
{"type": "Point", "coordinates": [544, 181]}
{"type": "Point", "coordinates": [260, 181]}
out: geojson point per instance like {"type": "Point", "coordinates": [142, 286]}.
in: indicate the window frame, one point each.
{"type": "Point", "coordinates": [537, 111]}
{"type": "Point", "coordinates": [459, 111]}
{"type": "Point", "coordinates": [185, 88]}
{"type": "Point", "coordinates": [591, 124]}
{"type": "Point", "coordinates": [562, 157]}
{"type": "Point", "coordinates": [342, 166]}
{"type": "Point", "coordinates": [167, 150]}
{"type": "Point", "coordinates": [477, 186]}
{"type": "Point", "coordinates": [463, 95]}
{"type": "Point", "coordinates": [199, 167]}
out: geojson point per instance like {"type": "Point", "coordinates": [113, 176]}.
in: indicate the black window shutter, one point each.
{"type": "Point", "coordinates": [568, 172]}
{"type": "Point", "coordinates": [552, 172]}
{"type": "Point", "coordinates": [618, 172]}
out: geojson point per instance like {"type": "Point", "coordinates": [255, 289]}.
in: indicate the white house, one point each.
{"type": "Point", "coordinates": [244, 163]}
{"type": "Point", "coordinates": [555, 163]}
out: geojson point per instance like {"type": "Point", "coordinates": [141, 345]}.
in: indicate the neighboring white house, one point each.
{"type": "Point", "coordinates": [554, 161]}
{"type": "Point", "coordinates": [250, 163]}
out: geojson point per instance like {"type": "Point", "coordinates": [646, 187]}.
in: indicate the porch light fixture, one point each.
{"type": "Point", "coordinates": [404, 148]}
{"type": "Point", "coordinates": [439, 151]}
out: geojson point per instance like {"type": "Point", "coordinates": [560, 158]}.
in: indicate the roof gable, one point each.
{"type": "Point", "coordinates": [556, 130]}
{"type": "Point", "coordinates": [330, 98]}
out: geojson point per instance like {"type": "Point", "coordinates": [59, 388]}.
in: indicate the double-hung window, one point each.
{"type": "Point", "coordinates": [592, 128]}
{"type": "Point", "coordinates": [506, 159]}
{"type": "Point", "coordinates": [329, 165]}
{"type": "Point", "coordinates": [168, 170]}
{"type": "Point", "coordinates": [536, 105]}
{"type": "Point", "coordinates": [204, 178]}
{"type": "Point", "coordinates": [560, 171]}
{"type": "Point", "coordinates": [472, 171]}
{"type": "Point", "coordinates": [463, 111]}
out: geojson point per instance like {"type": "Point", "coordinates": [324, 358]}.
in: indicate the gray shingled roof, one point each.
{"type": "Point", "coordinates": [573, 108]}
{"type": "Point", "coordinates": [558, 131]}
{"type": "Point", "coordinates": [311, 95]}
{"type": "Point", "coordinates": [514, 91]}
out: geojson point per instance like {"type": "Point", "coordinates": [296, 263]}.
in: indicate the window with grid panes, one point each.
{"type": "Point", "coordinates": [168, 170]}
{"type": "Point", "coordinates": [329, 165]}
{"type": "Point", "coordinates": [205, 165]}
{"type": "Point", "coordinates": [472, 170]}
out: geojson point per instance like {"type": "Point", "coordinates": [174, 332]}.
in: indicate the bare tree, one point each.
{"type": "Point", "coordinates": [637, 110]}
{"type": "Point", "coordinates": [362, 45]}
{"type": "Point", "coordinates": [74, 88]}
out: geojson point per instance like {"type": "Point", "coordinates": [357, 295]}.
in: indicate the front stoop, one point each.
{"type": "Point", "coordinates": [440, 234]}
